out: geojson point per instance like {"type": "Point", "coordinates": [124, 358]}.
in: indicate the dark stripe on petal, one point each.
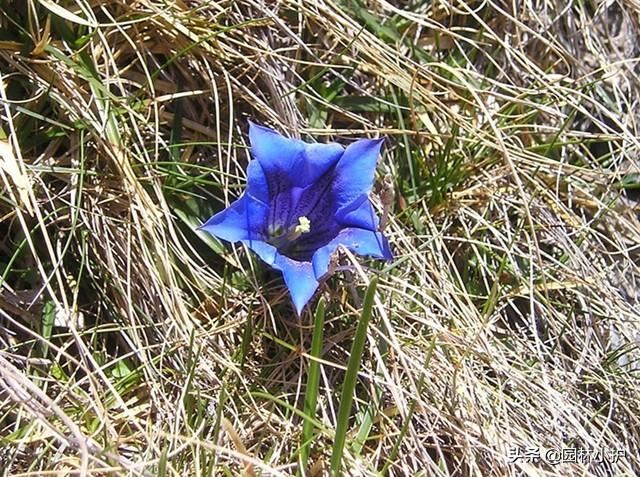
{"type": "Point", "coordinates": [322, 214]}
{"type": "Point", "coordinates": [317, 239]}
{"type": "Point", "coordinates": [280, 200]}
{"type": "Point", "coordinates": [312, 195]}
{"type": "Point", "coordinates": [304, 247]}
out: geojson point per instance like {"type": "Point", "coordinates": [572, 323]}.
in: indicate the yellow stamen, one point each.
{"type": "Point", "coordinates": [304, 225]}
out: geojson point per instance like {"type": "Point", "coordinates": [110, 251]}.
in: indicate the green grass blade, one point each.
{"type": "Point", "coordinates": [351, 378]}
{"type": "Point", "coordinates": [48, 319]}
{"type": "Point", "coordinates": [311, 395]}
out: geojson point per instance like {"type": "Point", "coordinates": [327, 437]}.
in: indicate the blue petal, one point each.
{"type": "Point", "coordinates": [257, 185]}
{"type": "Point", "coordinates": [245, 219]}
{"type": "Point", "coordinates": [359, 214]}
{"type": "Point", "coordinates": [319, 158]}
{"type": "Point", "coordinates": [273, 151]}
{"type": "Point", "coordinates": [355, 171]}
{"type": "Point", "coordinates": [301, 162]}
{"type": "Point", "coordinates": [359, 241]}
{"type": "Point", "coordinates": [264, 250]}
{"type": "Point", "coordinates": [280, 200]}
{"type": "Point", "coordinates": [314, 202]}
{"type": "Point", "coordinates": [298, 276]}
{"type": "Point", "coordinates": [305, 246]}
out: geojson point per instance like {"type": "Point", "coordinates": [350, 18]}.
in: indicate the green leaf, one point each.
{"type": "Point", "coordinates": [48, 318]}
{"type": "Point", "coordinates": [311, 394]}
{"type": "Point", "coordinates": [351, 378]}
{"type": "Point", "coordinates": [121, 369]}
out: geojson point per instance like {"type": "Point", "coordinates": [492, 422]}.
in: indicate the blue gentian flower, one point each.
{"type": "Point", "coordinates": [301, 202]}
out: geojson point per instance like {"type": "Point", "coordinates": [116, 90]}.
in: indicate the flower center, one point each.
{"type": "Point", "coordinates": [304, 226]}
{"type": "Point", "coordinates": [281, 239]}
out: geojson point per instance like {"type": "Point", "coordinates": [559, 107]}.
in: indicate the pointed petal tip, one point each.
{"type": "Point", "coordinates": [302, 294]}
{"type": "Point", "coordinates": [243, 219]}
{"type": "Point", "coordinates": [299, 307]}
{"type": "Point", "coordinates": [256, 128]}
{"type": "Point", "coordinates": [374, 142]}
{"type": "Point", "coordinates": [253, 126]}
{"type": "Point", "coordinates": [299, 279]}
{"type": "Point", "coordinates": [378, 143]}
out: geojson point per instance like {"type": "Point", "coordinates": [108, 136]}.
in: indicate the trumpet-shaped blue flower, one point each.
{"type": "Point", "coordinates": [301, 202]}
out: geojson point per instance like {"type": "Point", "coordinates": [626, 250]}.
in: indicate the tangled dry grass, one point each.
{"type": "Point", "coordinates": [508, 323]}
